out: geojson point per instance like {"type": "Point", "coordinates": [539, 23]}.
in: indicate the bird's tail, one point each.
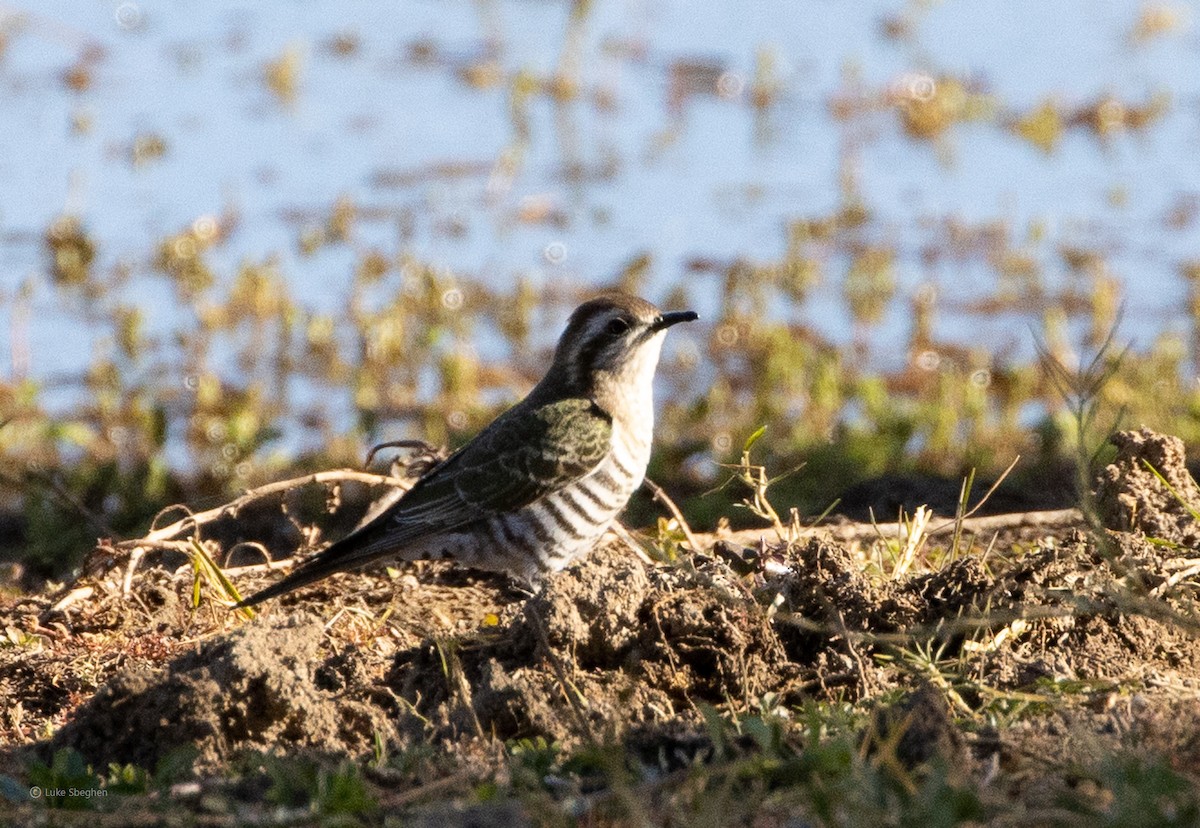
{"type": "Point", "coordinates": [353, 550]}
{"type": "Point", "coordinates": [314, 570]}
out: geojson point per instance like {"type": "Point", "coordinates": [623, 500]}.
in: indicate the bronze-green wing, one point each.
{"type": "Point", "coordinates": [524, 455]}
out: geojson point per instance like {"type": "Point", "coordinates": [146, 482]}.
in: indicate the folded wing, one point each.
{"type": "Point", "coordinates": [520, 458]}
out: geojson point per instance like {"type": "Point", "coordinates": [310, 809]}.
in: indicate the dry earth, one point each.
{"type": "Point", "coordinates": [1015, 664]}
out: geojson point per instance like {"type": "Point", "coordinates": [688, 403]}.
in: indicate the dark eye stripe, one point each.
{"type": "Point", "coordinates": [591, 348]}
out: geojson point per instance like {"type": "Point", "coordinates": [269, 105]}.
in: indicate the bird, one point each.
{"type": "Point", "coordinates": [539, 485]}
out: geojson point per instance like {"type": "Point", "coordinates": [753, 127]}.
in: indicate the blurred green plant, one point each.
{"type": "Point", "coordinates": [70, 774]}
{"type": "Point", "coordinates": [199, 412]}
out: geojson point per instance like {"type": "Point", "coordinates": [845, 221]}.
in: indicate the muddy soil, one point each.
{"type": "Point", "coordinates": [1095, 633]}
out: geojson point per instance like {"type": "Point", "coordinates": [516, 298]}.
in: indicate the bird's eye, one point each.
{"type": "Point", "coordinates": [617, 326]}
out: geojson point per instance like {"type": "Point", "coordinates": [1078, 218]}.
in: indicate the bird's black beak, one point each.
{"type": "Point", "coordinates": [673, 318]}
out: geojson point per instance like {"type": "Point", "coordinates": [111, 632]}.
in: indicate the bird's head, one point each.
{"type": "Point", "coordinates": [610, 348]}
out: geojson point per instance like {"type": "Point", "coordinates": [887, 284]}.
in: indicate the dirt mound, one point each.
{"type": "Point", "coordinates": [1132, 498]}
{"type": "Point", "coordinates": [592, 614]}
{"type": "Point", "coordinates": [606, 646]}
{"type": "Point", "coordinates": [255, 688]}
{"type": "Point", "coordinates": [612, 647]}
{"type": "Point", "coordinates": [1076, 617]}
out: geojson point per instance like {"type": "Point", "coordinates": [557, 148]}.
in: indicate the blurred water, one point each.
{"type": "Point", "coordinates": [714, 180]}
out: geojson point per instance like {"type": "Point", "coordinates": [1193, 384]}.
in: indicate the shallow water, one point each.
{"type": "Point", "coordinates": [386, 118]}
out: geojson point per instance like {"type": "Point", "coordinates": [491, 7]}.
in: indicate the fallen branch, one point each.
{"type": "Point", "coordinates": [181, 535]}
{"type": "Point", "coordinates": [850, 530]}
{"type": "Point", "coordinates": [195, 520]}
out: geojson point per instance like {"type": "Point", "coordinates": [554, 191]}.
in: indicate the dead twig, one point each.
{"type": "Point", "coordinates": [665, 499]}
{"type": "Point", "coordinates": [426, 455]}
{"type": "Point", "coordinates": [194, 520]}
{"type": "Point", "coordinates": [1174, 579]}
{"type": "Point", "coordinates": [135, 557]}
{"type": "Point", "coordinates": [855, 657]}
{"type": "Point", "coordinates": [851, 531]}
{"type": "Point", "coordinates": [624, 535]}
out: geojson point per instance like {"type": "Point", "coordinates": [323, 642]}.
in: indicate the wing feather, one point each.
{"type": "Point", "coordinates": [521, 457]}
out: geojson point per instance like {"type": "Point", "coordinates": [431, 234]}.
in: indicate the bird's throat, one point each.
{"type": "Point", "coordinates": [627, 394]}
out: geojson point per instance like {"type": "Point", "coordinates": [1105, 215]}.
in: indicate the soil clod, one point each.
{"type": "Point", "coordinates": [1132, 496]}
{"type": "Point", "coordinates": [252, 689]}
